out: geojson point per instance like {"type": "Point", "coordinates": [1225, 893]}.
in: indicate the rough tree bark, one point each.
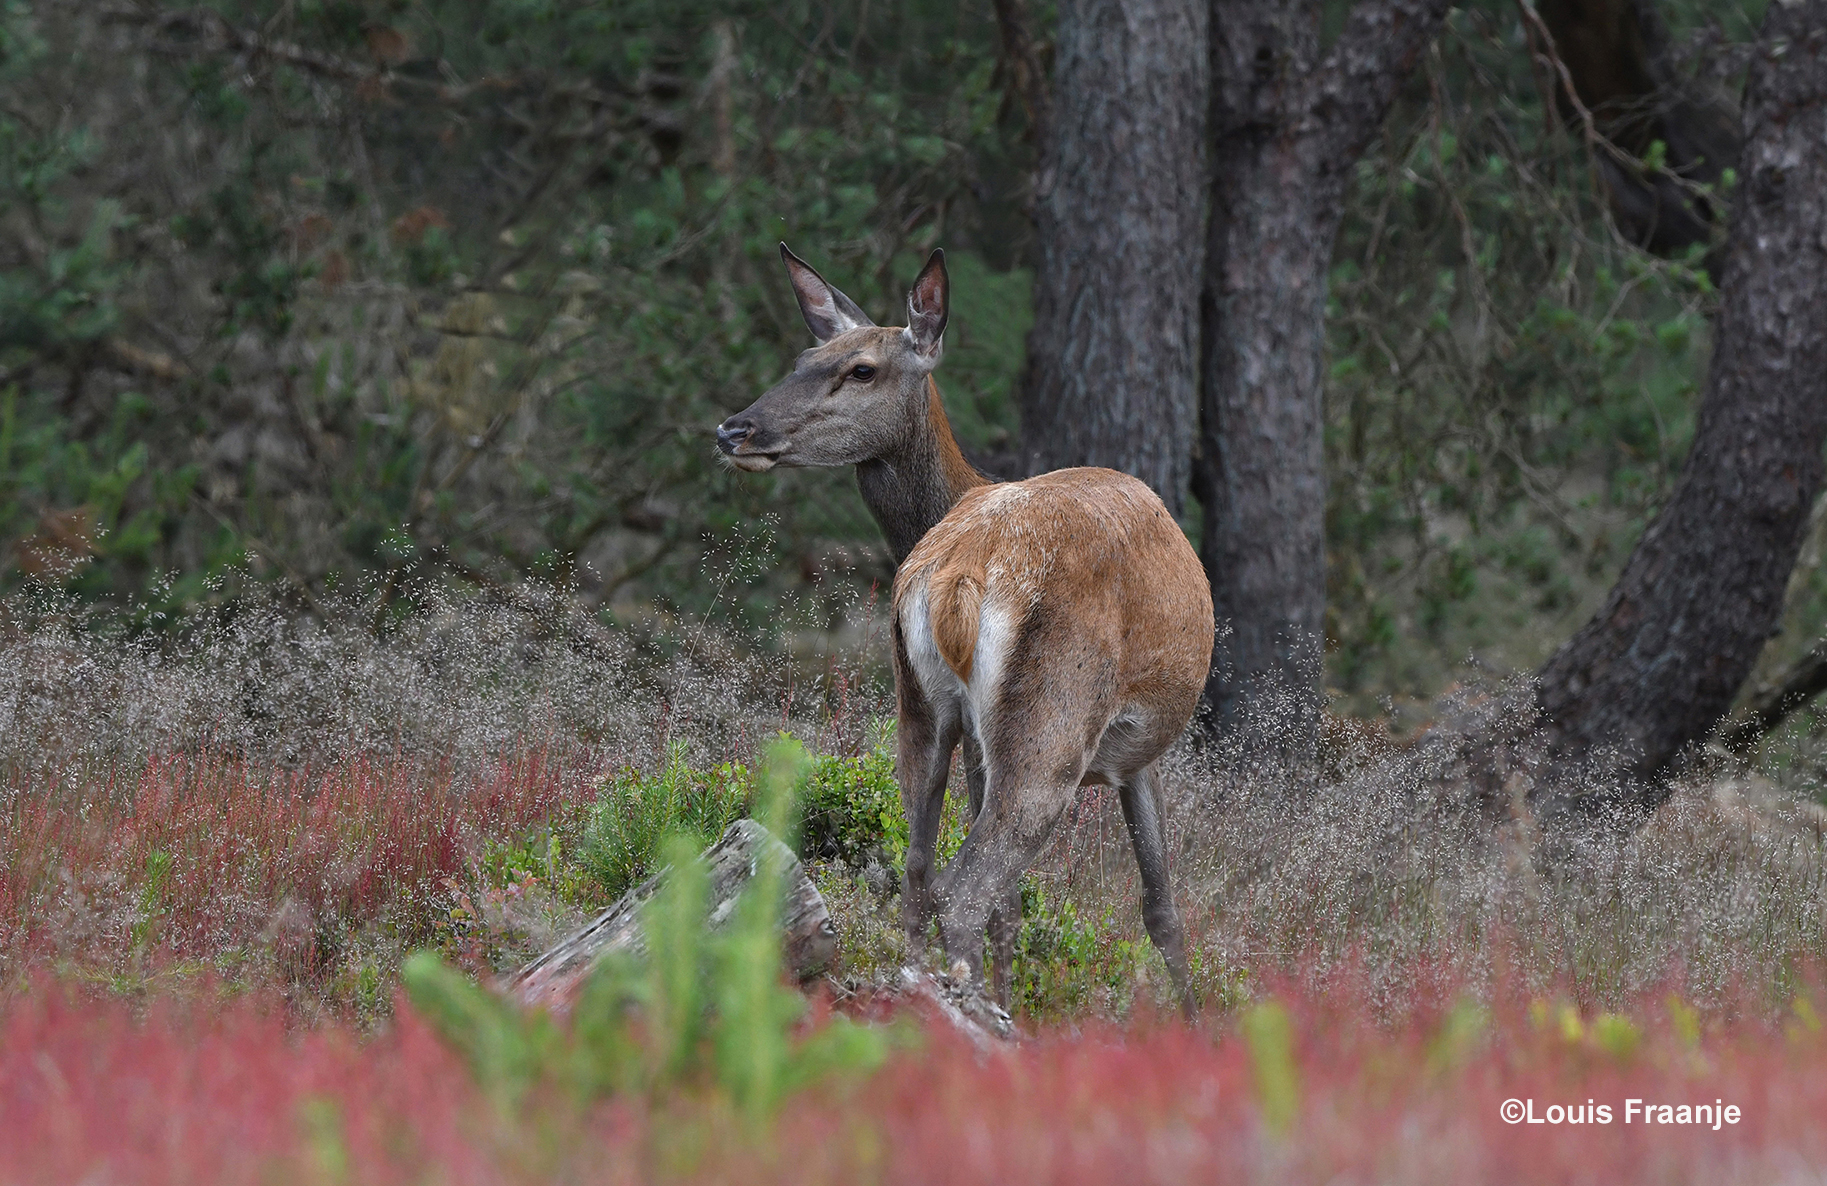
{"type": "Point", "coordinates": [1289, 121]}
{"type": "Point", "coordinates": [1112, 359]}
{"type": "Point", "coordinates": [1660, 663]}
{"type": "Point", "coordinates": [1617, 57]}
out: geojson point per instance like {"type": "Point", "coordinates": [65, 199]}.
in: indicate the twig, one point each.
{"type": "Point", "coordinates": [1595, 139]}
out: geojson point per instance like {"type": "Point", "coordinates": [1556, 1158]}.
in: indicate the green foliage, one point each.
{"type": "Point", "coordinates": [506, 1048]}
{"type": "Point", "coordinates": [614, 195]}
{"type": "Point", "coordinates": [478, 330]}
{"type": "Point", "coordinates": [1270, 1036]}
{"type": "Point", "coordinates": [544, 856]}
{"type": "Point", "coordinates": [1464, 1029]}
{"type": "Point", "coordinates": [634, 812]}
{"type": "Point", "coordinates": [1511, 387]}
{"type": "Point", "coordinates": [705, 1010]}
{"type": "Point", "coordinates": [848, 809]}
{"type": "Point", "coordinates": [751, 1045]}
{"type": "Point", "coordinates": [985, 348]}
{"type": "Point", "coordinates": [1617, 1035]}
{"type": "Point", "coordinates": [851, 807]}
{"type": "Point", "coordinates": [1064, 963]}
{"type": "Point", "coordinates": [152, 890]}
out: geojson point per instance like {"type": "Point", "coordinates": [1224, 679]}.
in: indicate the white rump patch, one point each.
{"type": "Point", "coordinates": [989, 661]}
{"type": "Point", "coordinates": [995, 639]}
{"type": "Point", "coordinates": [940, 683]}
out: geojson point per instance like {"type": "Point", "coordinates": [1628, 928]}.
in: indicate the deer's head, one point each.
{"type": "Point", "coordinates": [859, 394]}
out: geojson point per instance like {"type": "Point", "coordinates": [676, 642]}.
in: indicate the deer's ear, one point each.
{"type": "Point", "coordinates": [827, 311]}
{"type": "Point", "coordinates": [928, 305]}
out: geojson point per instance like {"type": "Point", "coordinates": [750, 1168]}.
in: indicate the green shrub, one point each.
{"type": "Point", "coordinates": [621, 837]}
{"type": "Point", "coordinates": [847, 808]}
{"type": "Point", "coordinates": [543, 855]}
{"type": "Point", "coordinates": [1063, 962]}
{"type": "Point", "coordinates": [851, 807]}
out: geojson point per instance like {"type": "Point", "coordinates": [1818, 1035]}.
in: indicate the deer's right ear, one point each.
{"type": "Point", "coordinates": [827, 311]}
{"type": "Point", "coordinates": [928, 308]}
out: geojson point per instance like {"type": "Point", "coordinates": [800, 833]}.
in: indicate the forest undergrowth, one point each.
{"type": "Point", "coordinates": [223, 842]}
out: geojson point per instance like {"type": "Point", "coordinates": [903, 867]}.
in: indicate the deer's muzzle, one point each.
{"type": "Point", "coordinates": [736, 437]}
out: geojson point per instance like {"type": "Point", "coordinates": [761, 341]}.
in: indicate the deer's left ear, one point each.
{"type": "Point", "coordinates": [827, 311]}
{"type": "Point", "coordinates": [928, 305]}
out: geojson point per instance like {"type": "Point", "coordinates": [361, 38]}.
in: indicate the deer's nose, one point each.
{"type": "Point", "coordinates": [732, 432]}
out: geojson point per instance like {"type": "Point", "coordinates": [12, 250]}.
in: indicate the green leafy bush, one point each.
{"type": "Point", "coordinates": [621, 838]}
{"type": "Point", "coordinates": [851, 808]}
{"type": "Point", "coordinates": [542, 855]}
{"type": "Point", "coordinates": [1063, 962]}
{"type": "Point", "coordinates": [848, 809]}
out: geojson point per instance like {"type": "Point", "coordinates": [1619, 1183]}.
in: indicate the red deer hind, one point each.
{"type": "Point", "coordinates": [1061, 627]}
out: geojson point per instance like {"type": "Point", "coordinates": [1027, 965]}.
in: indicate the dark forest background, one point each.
{"type": "Point", "coordinates": [347, 296]}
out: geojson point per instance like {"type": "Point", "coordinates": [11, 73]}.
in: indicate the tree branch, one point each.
{"type": "Point", "coordinates": [1772, 702]}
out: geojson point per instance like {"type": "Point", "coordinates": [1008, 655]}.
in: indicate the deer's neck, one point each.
{"type": "Point", "coordinates": [911, 490]}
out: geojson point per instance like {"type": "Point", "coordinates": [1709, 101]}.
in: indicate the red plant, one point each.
{"type": "Point", "coordinates": [195, 1095]}
{"type": "Point", "coordinates": [89, 1094]}
{"type": "Point", "coordinates": [202, 858]}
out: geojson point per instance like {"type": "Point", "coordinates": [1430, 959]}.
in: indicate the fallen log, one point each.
{"type": "Point", "coordinates": [808, 941]}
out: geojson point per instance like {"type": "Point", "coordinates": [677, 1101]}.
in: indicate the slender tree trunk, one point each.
{"type": "Point", "coordinates": [1660, 663]}
{"type": "Point", "coordinates": [1112, 360]}
{"type": "Point", "coordinates": [1289, 124]}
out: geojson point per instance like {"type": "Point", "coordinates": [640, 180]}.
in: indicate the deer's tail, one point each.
{"type": "Point", "coordinates": [954, 605]}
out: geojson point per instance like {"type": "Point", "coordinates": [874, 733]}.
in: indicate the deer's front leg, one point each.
{"type": "Point", "coordinates": [925, 735]}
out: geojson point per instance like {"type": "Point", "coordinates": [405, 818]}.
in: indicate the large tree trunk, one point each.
{"type": "Point", "coordinates": [1289, 124]}
{"type": "Point", "coordinates": [1616, 55]}
{"type": "Point", "coordinates": [1662, 660]}
{"type": "Point", "coordinates": [1112, 360]}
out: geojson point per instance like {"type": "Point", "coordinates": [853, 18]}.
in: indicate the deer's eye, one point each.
{"type": "Point", "coordinates": [863, 374]}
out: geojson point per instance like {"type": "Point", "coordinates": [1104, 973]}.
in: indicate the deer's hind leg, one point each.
{"type": "Point", "coordinates": [1005, 916]}
{"type": "Point", "coordinates": [927, 730]}
{"type": "Point", "coordinates": [1141, 797]}
{"type": "Point", "coordinates": [1036, 749]}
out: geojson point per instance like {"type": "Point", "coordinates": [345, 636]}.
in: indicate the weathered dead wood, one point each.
{"type": "Point", "coordinates": [956, 1002]}
{"type": "Point", "coordinates": [808, 940]}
